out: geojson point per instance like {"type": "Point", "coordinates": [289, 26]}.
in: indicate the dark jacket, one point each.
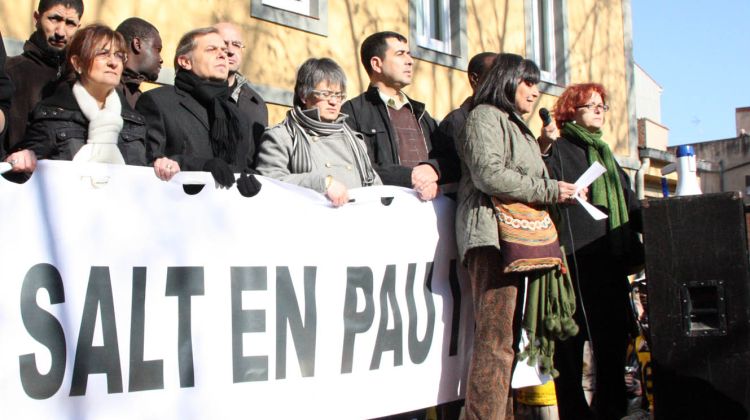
{"type": "Point", "coordinates": [448, 133]}
{"type": "Point", "coordinates": [178, 128]}
{"type": "Point", "coordinates": [58, 129]}
{"type": "Point", "coordinates": [130, 86]}
{"type": "Point", "coordinates": [368, 115]}
{"type": "Point", "coordinates": [6, 93]}
{"type": "Point", "coordinates": [33, 74]}
{"type": "Point", "coordinates": [567, 161]}
{"type": "Point", "coordinates": [251, 104]}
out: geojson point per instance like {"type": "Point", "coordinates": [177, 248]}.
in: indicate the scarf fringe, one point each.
{"type": "Point", "coordinates": [548, 316]}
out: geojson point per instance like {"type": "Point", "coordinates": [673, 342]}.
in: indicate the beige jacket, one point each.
{"type": "Point", "coordinates": [499, 157]}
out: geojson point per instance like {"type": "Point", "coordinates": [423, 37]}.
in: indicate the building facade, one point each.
{"type": "Point", "coordinates": [572, 41]}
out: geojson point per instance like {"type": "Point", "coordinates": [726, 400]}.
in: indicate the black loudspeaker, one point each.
{"type": "Point", "coordinates": [697, 270]}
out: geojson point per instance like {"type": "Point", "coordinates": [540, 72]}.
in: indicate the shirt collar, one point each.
{"type": "Point", "coordinates": [397, 102]}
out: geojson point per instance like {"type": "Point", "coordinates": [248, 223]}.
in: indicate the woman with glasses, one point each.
{"type": "Point", "coordinates": [86, 119]}
{"type": "Point", "coordinates": [313, 147]}
{"type": "Point", "coordinates": [600, 255]}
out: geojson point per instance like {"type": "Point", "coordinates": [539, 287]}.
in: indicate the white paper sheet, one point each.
{"type": "Point", "coordinates": [593, 172]}
{"type": "Point", "coordinates": [593, 211]}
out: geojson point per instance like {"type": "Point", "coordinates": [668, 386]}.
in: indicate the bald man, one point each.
{"type": "Point", "coordinates": [247, 99]}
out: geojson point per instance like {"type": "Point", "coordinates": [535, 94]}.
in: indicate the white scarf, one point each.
{"type": "Point", "coordinates": [104, 127]}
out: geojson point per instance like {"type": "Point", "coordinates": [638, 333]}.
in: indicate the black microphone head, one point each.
{"type": "Point", "coordinates": [545, 116]}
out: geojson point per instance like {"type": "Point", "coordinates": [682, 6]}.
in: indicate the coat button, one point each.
{"type": "Point", "coordinates": [349, 167]}
{"type": "Point", "coordinates": [372, 130]}
{"type": "Point", "coordinates": [63, 135]}
{"type": "Point", "coordinates": [328, 165]}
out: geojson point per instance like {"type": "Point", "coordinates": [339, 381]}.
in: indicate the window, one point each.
{"type": "Point", "coordinates": [546, 43]}
{"type": "Point", "coordinates": [438, 31]}
{"type": "Point", "coordinates": [301, 7]}
{"type": "Point", "coordinates": [434, 26]}
{"type": "Point", "coordinates": [307, 15]}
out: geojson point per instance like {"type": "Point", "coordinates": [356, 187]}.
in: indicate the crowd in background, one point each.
{"type": "Point", "coordinates": [75, 94]}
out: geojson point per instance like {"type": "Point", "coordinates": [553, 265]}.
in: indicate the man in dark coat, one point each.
{"type": "Point", "coordinates": [42, 61]}
{"type": "Point", "coordinates": [6, 92]}
{"type": "Point", "coordinates": [398, 130]}
{"type": "Point", "coordinates": [193, 125]}
{"type": "Point", "coordinates": [144, 56]}
{"type": "Point", "coordinates": [250, 102]}
{"type": "Point", "coordinates": [451, 126]}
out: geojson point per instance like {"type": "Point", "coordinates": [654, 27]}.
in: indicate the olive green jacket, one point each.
{"type": "Point", "coordinates": [499, 157]}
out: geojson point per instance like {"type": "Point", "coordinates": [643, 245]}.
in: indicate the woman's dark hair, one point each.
{"type": "Point", "coordinates": [314, 71]}
{"type": "Point", "coordinates": [500, 83]}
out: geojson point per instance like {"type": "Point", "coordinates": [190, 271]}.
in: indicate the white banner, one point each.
{"type": "Point", "coordinates": [133, 299]}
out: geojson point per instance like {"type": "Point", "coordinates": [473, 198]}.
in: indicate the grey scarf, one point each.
{"type": "Point", "coordinates": [301, 124]}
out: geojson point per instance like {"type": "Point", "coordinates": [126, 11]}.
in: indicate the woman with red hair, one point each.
{"type": "Point", "coordinates": [600, 254]}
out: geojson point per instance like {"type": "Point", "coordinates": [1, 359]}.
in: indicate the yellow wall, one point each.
{"type": "Point", "coordinates": [274, 52]}
{"type": "Point", "coordinates": [597, 53]}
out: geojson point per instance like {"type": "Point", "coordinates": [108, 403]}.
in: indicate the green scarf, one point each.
{"type": "Point", "coordinates": [606, 191]}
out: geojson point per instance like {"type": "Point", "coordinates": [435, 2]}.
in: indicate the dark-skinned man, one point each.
{"type": "Point", "coordinates": [144, 56]}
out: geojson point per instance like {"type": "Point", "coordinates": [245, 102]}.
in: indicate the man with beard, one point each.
{"type": "Point", "coordinates": [41, 63]}
{"type": "Point", "coordinates": [193, 125]}
{"type": "Point", "coordinates": [250, 102]}
{"type": "Point", "coordinates": [144, 56]}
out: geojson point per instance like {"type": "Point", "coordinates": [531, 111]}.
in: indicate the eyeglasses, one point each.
{"type": "Point", "coordinates": [105, 54]}
{"type": "Point", "coordinates": [329, 94]}
{"type": "Point", "coordinates": [591, 107]}
{"type": "Point", "coordinates": [236, 44]}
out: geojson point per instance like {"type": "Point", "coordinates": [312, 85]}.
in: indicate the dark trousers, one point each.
{"type": "Point", "coordinates": [488, 393]}
{"type": "Point", "coordinates": [604, 296]}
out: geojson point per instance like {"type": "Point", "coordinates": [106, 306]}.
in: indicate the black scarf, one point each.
{"type": "Point", "coordinates": [50, 56]}
{"type": "Point", "coordinates": [223, 116]}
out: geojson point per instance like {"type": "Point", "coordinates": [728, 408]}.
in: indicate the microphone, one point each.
{"type": "Point", "coordinates": [545, 116]}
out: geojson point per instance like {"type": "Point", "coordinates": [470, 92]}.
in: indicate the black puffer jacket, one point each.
{"type": "Point", "coordinates": [58, 129]}
{"type": "Point", "coordinates": [34, 74]}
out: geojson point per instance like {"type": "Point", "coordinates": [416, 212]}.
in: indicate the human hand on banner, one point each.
{"type": "Point", "coordinates": [429, 192]}
{"type": "Point", "coordinates": [20, 161]}
{"type": "Point", "coordinates": [337, 193]}
{"type": "Point", "coordinates": [166, 168]}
